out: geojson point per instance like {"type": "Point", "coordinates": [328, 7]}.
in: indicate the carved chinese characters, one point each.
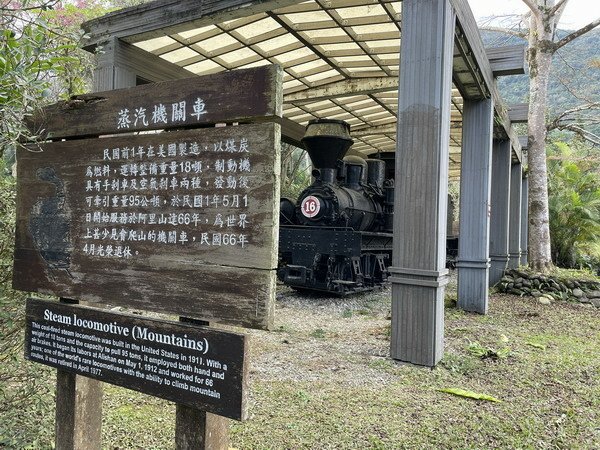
{"type": "Point", "coordinates": [189, 212]}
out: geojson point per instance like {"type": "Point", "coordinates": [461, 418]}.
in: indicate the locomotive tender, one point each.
{"type": "Point", "coordinates": [337, 237]}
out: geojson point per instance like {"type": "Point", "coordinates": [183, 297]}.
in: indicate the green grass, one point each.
{"type": "Point", "coordinates": [348, 396]}
{"type": "Point", "coordinates": [132, 420]}
{"type": "Point", "coordinates": [319, 333]}
{"type": "Point", "coordinates": [574, 274]}
{"type": "Point", "coordinates": [568, 274]}
{"type": "Point", "coordinates": [550, 396]}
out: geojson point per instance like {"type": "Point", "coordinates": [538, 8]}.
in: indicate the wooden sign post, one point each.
{"type": "Point", "coordinates": [199, 367]}
{"type": "Point", "coordinates": [180, 217]}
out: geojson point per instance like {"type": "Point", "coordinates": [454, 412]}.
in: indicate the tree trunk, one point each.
{"type": "Point", "coordinates": [540, 58]}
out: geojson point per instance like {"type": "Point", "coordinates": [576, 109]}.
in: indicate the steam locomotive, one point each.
{"type": "Point", "coordinates": [337, 237]}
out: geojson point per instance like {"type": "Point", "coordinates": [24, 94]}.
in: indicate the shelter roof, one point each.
{"type": "Point", "coordinates": [340, 57]}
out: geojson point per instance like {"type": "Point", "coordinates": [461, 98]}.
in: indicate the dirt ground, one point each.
{"type": "Point", "coordinates": [324, 379]}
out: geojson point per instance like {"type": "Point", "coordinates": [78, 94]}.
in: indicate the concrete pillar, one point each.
{"type": "Point", "coordinates": [124, 65]}
{"type": "Point", "coordinates": [499, 209]}
{"type": "Point", "coordinates": [524, 219]}
{"type": "Point", "coordinates": [514, 224]}
{"type": "Point", "coordinates": [109, 74]}
{"type": "Point", "coordinates": [475, 184]}
{"type": "Point", "coordinates": [418, 273]}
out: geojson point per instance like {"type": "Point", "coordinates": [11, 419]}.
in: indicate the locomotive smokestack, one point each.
{"type": "Point", "coordinates": [326, 141]}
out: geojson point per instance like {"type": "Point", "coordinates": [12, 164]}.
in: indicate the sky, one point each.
{"type": "Point", "coordinates": [577, 14]}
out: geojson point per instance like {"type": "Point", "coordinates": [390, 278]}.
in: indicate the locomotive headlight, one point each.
{"type": "Point", "coordinates": [311, 206]}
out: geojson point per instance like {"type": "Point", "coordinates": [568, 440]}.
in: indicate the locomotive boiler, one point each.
{"type": "Point", "coordinates": [337, 236]}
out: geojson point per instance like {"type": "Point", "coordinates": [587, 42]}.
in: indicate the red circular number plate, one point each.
{"type": "Point", "coordinates": [310, 206]}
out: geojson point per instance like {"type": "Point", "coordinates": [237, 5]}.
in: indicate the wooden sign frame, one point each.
{"type": "Point", "coordinates": [199, 367]}
{"type": "Point", "coordinates": [183, 221]}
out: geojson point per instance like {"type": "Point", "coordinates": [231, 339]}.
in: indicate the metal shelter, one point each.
{"type": "Point", "coordinates": [409, 76]}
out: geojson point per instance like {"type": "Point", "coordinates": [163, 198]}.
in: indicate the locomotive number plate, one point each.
{"type": "Point", "coordinates": [310, 206]}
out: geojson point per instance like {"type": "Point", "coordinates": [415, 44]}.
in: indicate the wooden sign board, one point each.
{"type": "Point", "coordinates": [203, 368]}
{"type": "Point", "coordinates": [236, 96]}
{"type": "Point", "coordinates": [182, 222]}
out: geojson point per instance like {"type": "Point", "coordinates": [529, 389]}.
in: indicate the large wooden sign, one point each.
{"type": "Point", "coordinates": [237, 96]}
{"type": "Point", "coordinates": [199, 367]}
{"type": "Point", "coordinates": [183, 221]}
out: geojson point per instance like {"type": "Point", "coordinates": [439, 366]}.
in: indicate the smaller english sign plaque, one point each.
{"type": "Point", "coordinates": [195, 366]}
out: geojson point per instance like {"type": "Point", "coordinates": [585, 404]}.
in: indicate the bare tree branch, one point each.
{"type": "Point", "coordinates": [575, 34]}
{"type": "Point", "coordinates": [567, 85]}
{"type": "Point", "coordinates": [563, 117]}
{"type": "Point", "coordinates": [582, 133]}
{"type": "Point", "coordinates": [7, 7]}
{"type": "Point", "coordinates": [560, 5]}
{"type": "Point", "coordinates": [533, 7]}
{"type": "Point", "coordinates": [517, 33]}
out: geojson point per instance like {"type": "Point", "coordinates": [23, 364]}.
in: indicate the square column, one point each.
{"type": "Point", "coordinates": [475, 184]}
{"type": "Point", "coordinates": [109, 73]}
{"type": "Point", "coordinates": [514, 227]}
{"type": "Point", "coordinates": [419, 273]}
{"type": "Point", "coordinates": [499, 210]}
{"type": "Point", "coordinates": [524, 219]}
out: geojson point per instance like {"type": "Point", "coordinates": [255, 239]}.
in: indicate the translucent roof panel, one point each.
{"type": "Point", "coordinates": [336, 56]}
{"type": "Point", "coordinates": [180, 54]}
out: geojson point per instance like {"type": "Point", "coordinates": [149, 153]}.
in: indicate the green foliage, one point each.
{"type": "Point", "coordinates": [295, 171]}
{"type": "Point", "coordinates": [11, 312]}
{"type": "Point", "coordinates": [319, 333]}
{"type": "Point", "coordinates": [476, 349]}
{"type": "Point", "coordinates": [25, 399]}
{"type": "Point", "coordinates": [23, 62]}
{"type": "Point", "coordinates": [574, 203]}
{"type": "Point", "coordinates": [74, 74]}
{"type": "Point", "coordinates": [580, 274]}
{"type": "Point", "coordinates": [536, 345]}
{"type": "Point", "coordinates": [459, 364]}
{"type": "Point", "coordinates": [450, 300]}
{"type": "Point", "coordinates": [40, 62]}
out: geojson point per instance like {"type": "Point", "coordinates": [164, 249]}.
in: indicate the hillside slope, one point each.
{"type": "Point", "coordinates": [575, 72]}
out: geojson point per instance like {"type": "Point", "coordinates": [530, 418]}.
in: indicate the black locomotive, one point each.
{"type": "Point", "coordinates": [338, 236]}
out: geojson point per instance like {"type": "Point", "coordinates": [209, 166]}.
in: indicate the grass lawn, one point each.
{"type": "Point", "coordinates": [324, 379]}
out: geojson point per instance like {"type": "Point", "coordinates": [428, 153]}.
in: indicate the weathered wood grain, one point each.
{"type": "Point", "coordinates": [78, 415]}
{"type": "Point", "coordinates": [221, 283]}
{"type": "Point", "coordinates": [236, 96]}
{"type": "Point", "coordinates": [196, 429]}
{"type": "Point", "coordinates": [171, 360]}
